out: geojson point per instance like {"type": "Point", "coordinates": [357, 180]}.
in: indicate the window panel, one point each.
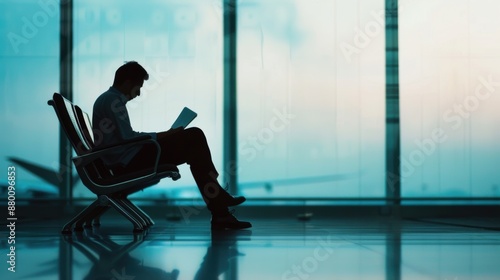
{"type": "Point", "coordinates": [180, 45]}
{"type": "Point", "coordinates": [29, 71]}
{"type": "Point", "coordinates": [449, 98]}
{"type": "Point", "coordinates": [311, 98]}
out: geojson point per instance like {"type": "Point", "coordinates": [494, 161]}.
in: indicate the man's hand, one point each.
{"type": "Point", "coordinates": [169, 132]}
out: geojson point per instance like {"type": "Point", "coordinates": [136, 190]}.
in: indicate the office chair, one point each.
{"type": "Point", "coordinates": [111, 188]}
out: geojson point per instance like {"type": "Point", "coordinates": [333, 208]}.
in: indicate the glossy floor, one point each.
{"type": "Point", "coordinates": [272, 249]}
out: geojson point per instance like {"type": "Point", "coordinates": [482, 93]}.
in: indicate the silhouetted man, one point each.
{"type": "Point", "coordinates": [178, 146]}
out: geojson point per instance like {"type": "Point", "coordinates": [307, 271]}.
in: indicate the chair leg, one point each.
{"type": "Point", "coordinates": [79, 224]}
{"type": "Point", "coordinates": [67, 227]}
{"type": "Point", "coordinates": [131, 211]}
{"type": "Point", "coordinates": [97, 219]}
{"type": "Point", "coordinates": [87, 221]}
{"type": "Point", "coordinates": [137, 225]}
{"type": "Point", "coordinates": [93, 218]}
{"type": "Point", "coordinates": [139, 211]}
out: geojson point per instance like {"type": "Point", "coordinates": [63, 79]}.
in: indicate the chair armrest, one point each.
{"type": "Point", "coordinates": [125, 142]}
{"type": "Point", "coordinates": [118, 181]}
{"type": "Point", "coordinates": [99, 153]}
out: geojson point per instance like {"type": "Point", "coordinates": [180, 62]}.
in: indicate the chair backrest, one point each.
{"type": "Point", "coordinates": [76, 123]}
{"type": "Point", "coordinates": [85, 126]}
{"type": "Point", "coordinates": [65, 111]}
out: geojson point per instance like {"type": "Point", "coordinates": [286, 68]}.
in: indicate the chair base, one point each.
{"type": "Point", "coordinates": [90, 216]}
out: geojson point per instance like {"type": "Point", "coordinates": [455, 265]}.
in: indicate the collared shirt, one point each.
{"type": "Point", "coordinates": [111, 125]}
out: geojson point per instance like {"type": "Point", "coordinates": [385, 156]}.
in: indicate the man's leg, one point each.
{"type": "Point", "coordinates": [190, 146]}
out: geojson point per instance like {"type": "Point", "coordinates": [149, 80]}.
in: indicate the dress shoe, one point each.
{"type": "Point", "coordinates": [228, 221]}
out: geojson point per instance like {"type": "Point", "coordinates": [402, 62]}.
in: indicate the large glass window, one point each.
{"type": "Point", "coordinates": [180, 45]}
{"type": "Point", "coordinates": [311, 90]}
{"type": "Point", "coordinates": [450, 95]}
{"type": "Point", "coordinates": [29, 74]}
{"type": "Point", "coordinates": [311, 98]}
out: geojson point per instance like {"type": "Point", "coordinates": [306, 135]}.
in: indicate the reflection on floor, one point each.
{"type": "Point", "coordinates": [272, 249]}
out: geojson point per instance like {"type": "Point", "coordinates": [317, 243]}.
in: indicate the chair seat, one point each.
{"type": "Point", "coordinates": [109, 183]}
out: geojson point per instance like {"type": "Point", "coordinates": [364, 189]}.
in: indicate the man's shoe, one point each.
{"type": "Point", "coordinates": [228, 221]}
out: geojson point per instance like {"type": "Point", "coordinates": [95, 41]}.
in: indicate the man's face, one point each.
{"type": "Point", "coordinates": [135, 89]}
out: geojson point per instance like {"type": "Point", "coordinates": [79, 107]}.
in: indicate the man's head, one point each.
{"type": "Point", "coordinates": [129, 79]}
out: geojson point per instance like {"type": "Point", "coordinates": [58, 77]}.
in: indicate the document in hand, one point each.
{"type": "Point", "coordinates": [184, 118]}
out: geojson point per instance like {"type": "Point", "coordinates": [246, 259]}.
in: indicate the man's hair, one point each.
{"type": "Point", "coordinates": [132, 71]}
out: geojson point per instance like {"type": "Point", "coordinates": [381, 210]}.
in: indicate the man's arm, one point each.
{"type": "Point", "coordinates": [119, 116]}
{"type": "Point", "coordinates": [111, 121]}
